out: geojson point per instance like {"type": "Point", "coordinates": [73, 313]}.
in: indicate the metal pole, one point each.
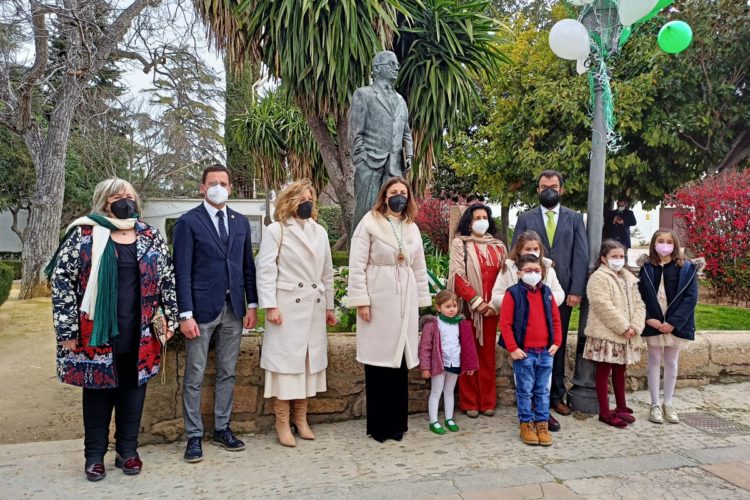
{"type": "Point", "coordinates": [582, 396]}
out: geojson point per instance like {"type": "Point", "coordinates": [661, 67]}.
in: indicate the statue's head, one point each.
{"type": "Point", "coordinates": [385, 66]}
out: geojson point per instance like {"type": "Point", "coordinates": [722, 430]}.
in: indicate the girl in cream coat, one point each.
{"type": "Point", "coordinates": [616, 319]}
{"type": "Point", "coordinates": [295, 286]}
{"type": "Point", "coordinates": [387, 285]}
{"type": "Point", "coordinates": [528, 242]}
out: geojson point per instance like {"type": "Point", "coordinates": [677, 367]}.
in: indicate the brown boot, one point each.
{"type": "Point", "coordinates": [542, 433]}
{"type": "Point", "coordinates": [299, 418]}
{"type": "Point", "coordinates": [283, 431]}
{"type": "Point", "coordinates": [528, 433]}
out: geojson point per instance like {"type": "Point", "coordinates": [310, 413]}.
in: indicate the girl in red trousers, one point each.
{"type": "Point", "coordinates": [446, 349]}
{"type": "Point", "coordinates": [616, 318]}
{"type": "Point", "coordinates": [476, 258]}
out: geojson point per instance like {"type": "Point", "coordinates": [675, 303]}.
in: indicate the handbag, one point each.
{"type": "Point", "coordinates": [159, 332]}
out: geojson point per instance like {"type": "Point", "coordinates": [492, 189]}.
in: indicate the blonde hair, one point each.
{"type": "Point", "coordinates": [111, 187]}
{"type": "Point", "coordinates": [291, 196]}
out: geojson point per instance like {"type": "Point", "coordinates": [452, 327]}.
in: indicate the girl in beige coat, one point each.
{"type": "Point", "coordinates": [616, 318]}
{"type": "Point", "coordinates": [295, 287]}
{"type": "Point", "coordinates": [387, 285]}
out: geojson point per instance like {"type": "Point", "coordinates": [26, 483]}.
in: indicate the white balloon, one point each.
{"type": "Point", "coordinates": [581, 67]}
{"type": "Point", "coordinates": [631, 11]}
{"type": "Point", "coordinates": [569, 39]}
{"type": "Point", "coordinates": [577, 3]}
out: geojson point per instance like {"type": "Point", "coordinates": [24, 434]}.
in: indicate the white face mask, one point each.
{"type": "Point", "coordinates": [217, 194]}
{"type": "Point", "coordinates": [480, 226]}
{"type": "Point", "coordinates": [616, 264]}
{"type": "Point", "coordinates": [532, 279]}
{"type": "Point", "coordinates": [535, 254]}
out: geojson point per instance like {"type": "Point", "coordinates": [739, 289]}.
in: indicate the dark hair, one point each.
{"type": "Point", "coordinates": [464, 223]}
{"type": "Point", "coordinates": [216, 167]}
{"type": "Point", "coordinates": [531, 259]}
{"type": "Point", "coordinates": [381, 205]}
{"type": "Point", "coordinates": [677, 256]}
{"type": "Point", "coordinates": [608, 246]}
{"type": "Point", "coordinates": [444, 296]}
{"type": "Point", "coordinates": [551, 173]}
{"type": "Point", "coordinates": [523, 238]}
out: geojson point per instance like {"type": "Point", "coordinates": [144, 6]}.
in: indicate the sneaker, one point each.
{"type": "Point", "coordinates": [228, 440]}
{"type": "Point", "coordinates": [193, 450]}
{"type": "Point", "coordinates": [451, 425]}
{"type": "Point", "coordinates": [670, 414]}
{"type": "Point", "coordinates": [655, 415]}
{"type": "Point", "coordinates": [437, 428]}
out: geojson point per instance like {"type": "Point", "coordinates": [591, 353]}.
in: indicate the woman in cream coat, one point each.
{"type": "Point", "coordinates": [295, 287]}
{"type": "Point", "coordinates": [387, 285]}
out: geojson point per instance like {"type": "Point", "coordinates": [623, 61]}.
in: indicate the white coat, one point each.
{"type": "Point", "coordinates": [509, 277]}
{"type": "Point", "coordinates": [300, 284]}
{"type": "Point", "coordinates": [393, 291]}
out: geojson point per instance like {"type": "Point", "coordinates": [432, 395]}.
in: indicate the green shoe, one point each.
{"type": "Point", "coordinates": [437, 428]}
{"type": "Point", "coordinates": [451, 425]}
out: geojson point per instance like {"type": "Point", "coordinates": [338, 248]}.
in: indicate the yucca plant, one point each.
{"type": "Point", "coordinates": [322, 50]}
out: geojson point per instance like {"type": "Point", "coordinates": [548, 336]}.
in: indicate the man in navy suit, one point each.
{"type": "Point", "coordinates": [565, 242]}
{"type": "Point", "coordinates": [216, 296]}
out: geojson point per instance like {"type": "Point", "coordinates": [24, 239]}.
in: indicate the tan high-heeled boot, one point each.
{"type": "Point", "coordinates": [283, 430]}
{"type": "Point", "coordinates": [299, 417]}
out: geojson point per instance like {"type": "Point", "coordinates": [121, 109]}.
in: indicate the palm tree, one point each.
{"type": "Point", "coordinates": [322, 51]}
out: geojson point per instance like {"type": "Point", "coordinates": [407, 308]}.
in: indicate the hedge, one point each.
{"type": "Point", "coordinates": [340, 258]}
{"type": "Point", "coordinates": [6, 281]}
{"type": "Point", "coordinates": [329, 216]}
{"type": "Point", "coordinates": [15, 265]}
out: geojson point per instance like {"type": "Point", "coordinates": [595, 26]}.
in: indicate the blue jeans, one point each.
{"type": "Point", "coordinates": [532, 381]}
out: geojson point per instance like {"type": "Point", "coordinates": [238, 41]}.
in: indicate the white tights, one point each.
{"type": "Point", "coordinates": [670, 355]}
{"type": "Point", "coordinates": [444, 384]}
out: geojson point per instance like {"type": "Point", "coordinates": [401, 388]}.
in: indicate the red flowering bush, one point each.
{"type": "Point", "coordinates": [714, 214]}
{"type": "Point", "coordinates": [434, 220]}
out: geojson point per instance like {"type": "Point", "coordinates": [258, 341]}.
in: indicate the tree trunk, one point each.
{"type": "Point", "coordinates": [505, 224]}
{"type": "Point", "coordinates": [43, 226]}
{"type": "Point", "coordinates": [338, 163]}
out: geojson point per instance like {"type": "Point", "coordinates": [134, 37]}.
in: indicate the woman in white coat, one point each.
{"type": "Point", "coordinates": [295, 287]}
{"type": "Point", "coordinates": [528, 242]}
{"type": "Point", "coordinates": [388, 285]}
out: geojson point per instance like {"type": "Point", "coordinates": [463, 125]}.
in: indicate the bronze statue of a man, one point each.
{"type": "Point", "coordinates": [379, 133]}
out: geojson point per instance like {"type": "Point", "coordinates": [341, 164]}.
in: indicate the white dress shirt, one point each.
{"type": "Point", "coordinates": [212, 211]}
{"type": "Point", "coordinates": [555, 210]}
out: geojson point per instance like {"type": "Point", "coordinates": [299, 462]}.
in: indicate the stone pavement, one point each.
{"type": "Point", "coordinates": [484, 460]}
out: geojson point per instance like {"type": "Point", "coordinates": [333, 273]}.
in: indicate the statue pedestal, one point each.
{"type": "Point", "coordinates": [582, 396]}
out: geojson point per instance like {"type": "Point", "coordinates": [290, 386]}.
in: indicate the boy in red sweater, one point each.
{"type": "Point", "coordinates": [530, 331]}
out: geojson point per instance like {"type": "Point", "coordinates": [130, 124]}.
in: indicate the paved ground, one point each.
{"type": "Point", "coordinates": [484, 460]}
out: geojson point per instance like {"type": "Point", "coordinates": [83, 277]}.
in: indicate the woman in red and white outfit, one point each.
{"type": "Point", "coordinates": [476, 258]}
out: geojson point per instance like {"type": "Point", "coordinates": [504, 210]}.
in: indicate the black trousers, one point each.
{"type": "Point", "coordinates": [558, 390]}
{"type": "Point", "coordinates": [127, 400]}
{"type": "Point", "coordinates": [387, 393]}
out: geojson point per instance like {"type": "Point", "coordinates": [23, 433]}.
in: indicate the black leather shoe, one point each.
{"type": "Point", "coordinates": [130, 466]}
{"type": "Point", "coordinates": [96, 472]}
{"type": "Point", "coordinates": [194, 450]}
{"type": "Point", "coordinates": [228, 440]}
{"type": "Point", "coordinates": [552, 424]}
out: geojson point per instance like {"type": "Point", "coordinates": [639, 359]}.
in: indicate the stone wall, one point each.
{"type": "Point", "coordinates": [713, 357]}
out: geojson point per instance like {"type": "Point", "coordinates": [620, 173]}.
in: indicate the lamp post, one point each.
{"type": "Point", "coordinates": [601, 20]}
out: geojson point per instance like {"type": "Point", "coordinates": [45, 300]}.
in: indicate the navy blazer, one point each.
{"type": "Point", "coordinates": [570, 251]}
{"type": "Point", "coordinates": [200, 261]}
{"type": "Point", "coordinates": [681, 311]}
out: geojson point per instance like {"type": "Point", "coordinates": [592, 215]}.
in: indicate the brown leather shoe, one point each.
{"type": "Point", "coordinates": [542, 433]}
{"type": "Point", "coordinates": [528, 433]}
{"type": "Point", "coordinates": [562, 408]}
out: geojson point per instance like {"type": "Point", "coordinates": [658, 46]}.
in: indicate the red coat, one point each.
{"type": "Point", "coordinates": [431, 352]}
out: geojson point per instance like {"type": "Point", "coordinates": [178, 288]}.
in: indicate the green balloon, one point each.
{"type": "Point", "coordinates": [659, 6]}
{"type": "Point", "coordinates": [675, 36]}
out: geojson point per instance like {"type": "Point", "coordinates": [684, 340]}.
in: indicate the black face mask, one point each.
{"type": "Point", "coordinates": [124, 208]}
{"type": "Point", "coordinates": [549, 198]}
{"type": "Point", "coordinates": [397, 203]}
{"type": "Point", "coordinates": [304, 210]}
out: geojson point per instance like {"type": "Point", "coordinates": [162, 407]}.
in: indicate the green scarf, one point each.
{"type": "Point", "coordinates": [451, 321]}
{"type": "Point", "coordinates": [105, 323]}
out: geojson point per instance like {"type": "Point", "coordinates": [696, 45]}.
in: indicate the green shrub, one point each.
{"type": "Point", "coordinates": [340, 258]}
{"type": "Point", "coordinates": [6, 281]}
{"type": "Point", "coordinates": [15, 266]}
{"type": "Point", "coordinates": [329, 216]}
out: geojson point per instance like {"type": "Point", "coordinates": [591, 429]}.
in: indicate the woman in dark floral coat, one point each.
{"type": "Point", "coordinates": [110, 277]}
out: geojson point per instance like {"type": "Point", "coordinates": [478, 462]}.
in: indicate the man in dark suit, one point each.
{"type": "Point", "coordinates": [216, 297]}
{"type": "Point", "coordinates": [564, 238]}
{"type": "Point", "coordinates": [617, 224]}
{"type": "Point", "coordinates": [379, 133]}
